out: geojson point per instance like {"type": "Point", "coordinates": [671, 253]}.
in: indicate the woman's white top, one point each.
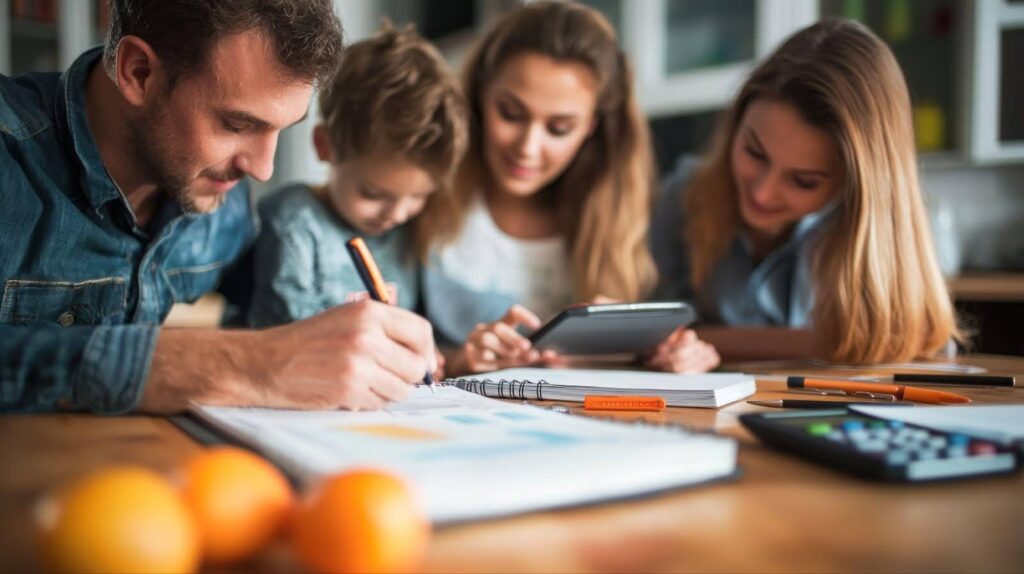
{"type": "Point", "coordinates": [484, 271]}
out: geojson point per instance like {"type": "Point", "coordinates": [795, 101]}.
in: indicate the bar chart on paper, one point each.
{"type": "Point", "coordinates": [470, 456]}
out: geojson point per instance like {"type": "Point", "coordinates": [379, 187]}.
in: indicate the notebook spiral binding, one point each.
{"type": "Point", "coordinates": [502, 388]}
{"type": "Point", "coordinates": [518, 389]}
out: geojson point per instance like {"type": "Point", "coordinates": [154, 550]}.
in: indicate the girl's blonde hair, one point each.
{"type": "Point", "coordinates": [603, 198]}
{"type": "Point", "coordinates": [879, 295]}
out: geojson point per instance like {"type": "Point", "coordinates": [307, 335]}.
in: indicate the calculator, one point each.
{"type": "Point", "coordinates": [878, 448]}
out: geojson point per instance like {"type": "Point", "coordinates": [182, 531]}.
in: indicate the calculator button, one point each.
{"type": "Point", "coordinates": [858, 435]}
{"type": "Point", "coordinates": [819, 429]}
{"type": "Point", "coordinates": [981, 448]}
{"type": "Point", "coordinates": [956, 451]}
{"type": "Point", "coordinates": [872, 446]}
{"type": "Point", "coordinates": [959, 440]}
{"type": "Point", "coordinates": [895, 425]}
{"type": "Point", "coordinates": [837, 436]}
{"type": "Point", "coordinates": [900, 439]}
{"type": "Point", "coordinates": [881, 434]}
{"type": "Point", "coordinates": [919, 434]}
{"type": "Point", "coordinates": [937, 442]}
{"type": "Point", "coordinates": [897, 457]}
{"type": "Point", "coordinates": [926, 454]}
{"type": "Point", "coordinates": [850, 426]}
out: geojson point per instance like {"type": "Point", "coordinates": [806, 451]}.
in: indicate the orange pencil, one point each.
{"type": "Point", "coordinates": [899, 391]}
{"type": "Point", "coordinates": [622, 403]}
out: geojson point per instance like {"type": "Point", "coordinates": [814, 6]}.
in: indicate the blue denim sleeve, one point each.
{"type": "Point", "coordinates": [44, 368]}
{"type": "Point", "coordinates": [285, 288]}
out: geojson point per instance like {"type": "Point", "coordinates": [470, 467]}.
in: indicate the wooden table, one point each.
{"type": "Point", "coordinates": [782, 514]}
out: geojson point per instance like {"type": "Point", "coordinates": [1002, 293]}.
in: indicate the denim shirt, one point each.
{"type": "Point", "coordinates": [776, 291]}
{"type": "Point", "coordinates": [303, 268]}
{"type": "Point", "coordinates": [84, 288]}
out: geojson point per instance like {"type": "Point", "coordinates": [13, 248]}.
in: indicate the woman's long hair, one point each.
{"type": "Point", "coordinates": [603, 198]}
{"type": "Point", "coordinates": [879, 295]}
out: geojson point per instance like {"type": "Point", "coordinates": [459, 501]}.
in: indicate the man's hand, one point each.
{"type": "Point", "coordinates": [356, 356]}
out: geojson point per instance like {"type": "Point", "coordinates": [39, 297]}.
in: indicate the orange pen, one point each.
{"type": "Point", "coordinates": [622, 403]}
{"type": "Point", "coordinates": [369, 273]}
{"type": "Point", "coordinates": [899, 391]}
{"type": "Point", "coordinates": [367, 268]}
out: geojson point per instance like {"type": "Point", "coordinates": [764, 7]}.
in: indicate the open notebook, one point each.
{"type": "Point", "coordinates": [706, 390]}
{"type": "Point", "coordinates": [471, 457]}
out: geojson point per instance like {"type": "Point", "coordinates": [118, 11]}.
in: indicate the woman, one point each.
{"type": "Point", "coordinates": [804, 229]}
{"type": "Point", "coordinates": [552, 202]}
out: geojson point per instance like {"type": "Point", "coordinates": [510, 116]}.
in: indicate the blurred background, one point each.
{"type": "Point", "coordinates": [963, 59]}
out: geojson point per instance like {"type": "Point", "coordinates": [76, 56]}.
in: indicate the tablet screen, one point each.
{"type": "Point", "coordinates": [613, 328]}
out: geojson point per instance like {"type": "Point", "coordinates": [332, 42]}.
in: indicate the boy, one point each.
{"type": "Point", "coordinates": [393, 127]}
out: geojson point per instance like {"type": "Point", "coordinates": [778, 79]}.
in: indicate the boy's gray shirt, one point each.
{"type": "Point", "coordinates": [302, 267]}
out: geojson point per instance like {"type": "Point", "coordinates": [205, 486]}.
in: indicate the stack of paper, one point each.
{"type": "Point", "coordinates": [471, 457]}
{"type": "Point", "coordinates": [706, 390]}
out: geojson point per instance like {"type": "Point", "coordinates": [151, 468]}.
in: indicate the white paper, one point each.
{"type": "Point", "coordinates": [1000, 423]}
{"type": "Point", "coordinates": [469, 456]}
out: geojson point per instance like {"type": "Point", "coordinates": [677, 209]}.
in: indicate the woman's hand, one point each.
{"type": "Point", "coordinates": [683, 352]}
{"type": "Point", "coordinates": [498, 345]}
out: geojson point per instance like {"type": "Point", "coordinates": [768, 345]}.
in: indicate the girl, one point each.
{"type": "Point", "coordinates": [552, 202]}
{"type": "Point", "coordinates": [806, 217]}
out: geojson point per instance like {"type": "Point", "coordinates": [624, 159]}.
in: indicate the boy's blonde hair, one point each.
{"type": "Point", "coordinates": [879, 295]}
{"type": "Point", "coordinates": [393, 94]}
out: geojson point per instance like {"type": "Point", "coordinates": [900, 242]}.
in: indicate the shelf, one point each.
{"type": "Point", "coordinates": [1007, 287]}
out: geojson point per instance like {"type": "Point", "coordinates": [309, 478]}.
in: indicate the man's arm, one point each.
{"type": "Point", "coordinates": [99, 369]}
{"type": "Point", "coordinates": [356, 356]}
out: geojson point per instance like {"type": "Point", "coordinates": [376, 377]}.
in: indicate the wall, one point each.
{"type": "Point", "coordinates": [987, 204]}
{"type": "Point", "coordinates": [296, 159]}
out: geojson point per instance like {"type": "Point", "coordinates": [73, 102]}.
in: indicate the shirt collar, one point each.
{"type": "Point", "coordinates": [812, 221]}
{"type": "Point", "coordinates": [97, 185]}
{"type": "Point", "coordinates": [801, 230]}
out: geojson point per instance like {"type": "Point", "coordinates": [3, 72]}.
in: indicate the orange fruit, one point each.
{"type": "Point", "coordinates": [360, 521]}
{"type": "Point", "coordinates": [239, 502]}
{"type": "Point", "coordinates": [118, 519]}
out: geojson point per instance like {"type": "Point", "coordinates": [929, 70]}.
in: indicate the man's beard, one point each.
{"type": "Point", "coordinates": [163, 166]}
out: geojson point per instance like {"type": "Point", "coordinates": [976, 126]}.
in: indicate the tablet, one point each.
{"type": "Point", "coordinates": [612, 328]}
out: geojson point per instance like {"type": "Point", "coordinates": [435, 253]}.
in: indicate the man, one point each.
{"type": "Point", "coordinates": [123, 192]}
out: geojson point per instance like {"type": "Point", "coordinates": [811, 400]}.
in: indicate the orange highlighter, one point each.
{"type": "Point", "coordinates": [622, 403]}
{"type": "Point", "coordinates": [901, 392]}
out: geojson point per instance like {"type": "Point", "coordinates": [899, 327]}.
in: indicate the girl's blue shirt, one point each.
{"type": "Point", "coordinates": [741, 291]}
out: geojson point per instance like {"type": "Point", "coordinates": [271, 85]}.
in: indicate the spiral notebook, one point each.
{"type": "Point", "coordinates": [709, 390]}
{"type": "Point", "coordinates": [470, 457]}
